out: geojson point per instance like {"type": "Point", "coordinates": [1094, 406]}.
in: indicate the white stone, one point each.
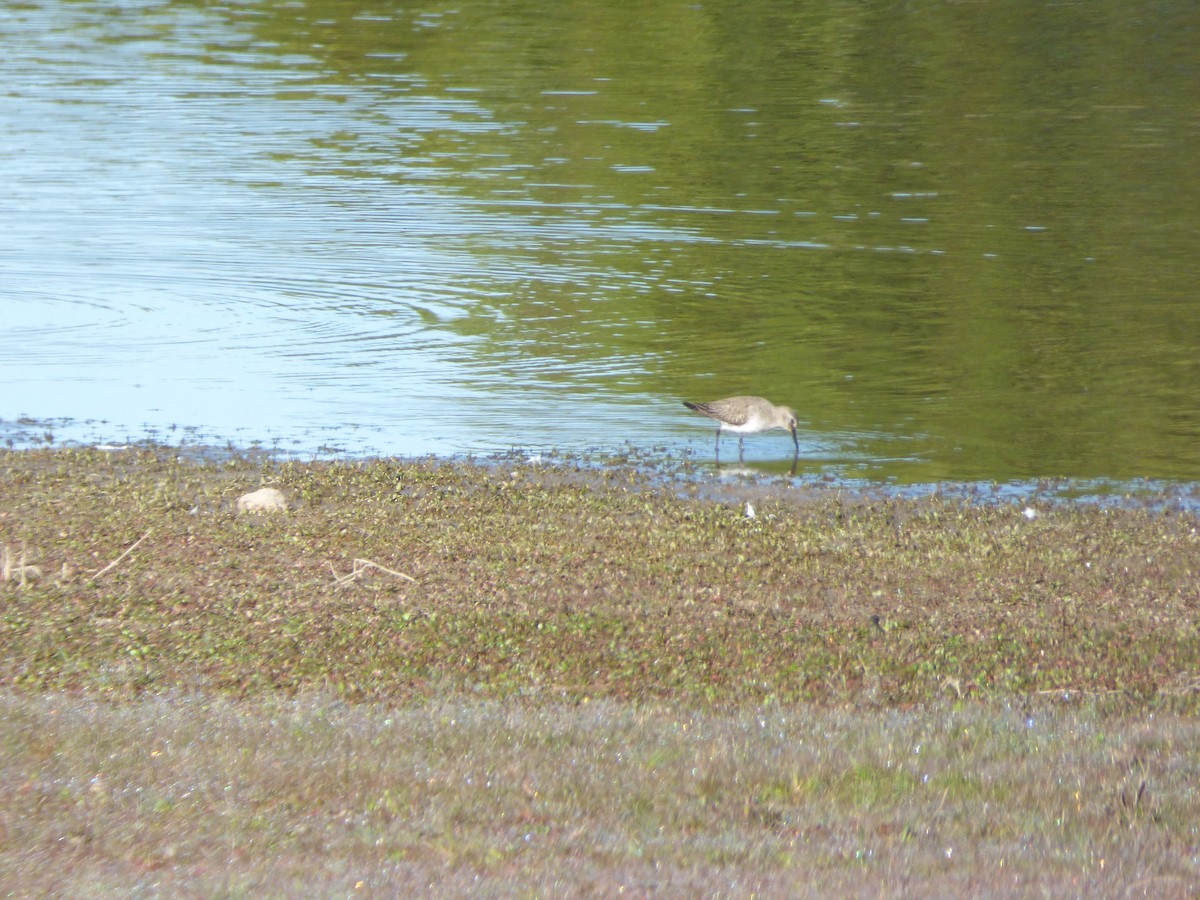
{"type": "Point", "coordinates": [263, 500]}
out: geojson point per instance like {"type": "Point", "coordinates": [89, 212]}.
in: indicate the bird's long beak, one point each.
{"type": "Point", "coordinates": [795, 440]}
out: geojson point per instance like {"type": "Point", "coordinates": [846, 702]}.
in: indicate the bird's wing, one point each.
{"type": "Point", "coordinates": [723, 411]}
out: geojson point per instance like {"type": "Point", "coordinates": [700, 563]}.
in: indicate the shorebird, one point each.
{"type": "Point", "coordinates": [747, 415]}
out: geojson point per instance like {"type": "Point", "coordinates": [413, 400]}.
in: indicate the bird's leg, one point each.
{"type": "Point", "coordinates": [718, 445]}
{"type": "Point", "coordinates": [741, 449]}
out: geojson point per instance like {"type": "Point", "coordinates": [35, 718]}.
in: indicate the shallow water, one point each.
{"type": "Point", "coordinates": [960, 240]}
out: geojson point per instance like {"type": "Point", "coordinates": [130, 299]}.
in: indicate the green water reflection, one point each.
{"type": "Point", "coordinates": [962, 237]}
{"type": "Point", "coordinates": [972, 226]}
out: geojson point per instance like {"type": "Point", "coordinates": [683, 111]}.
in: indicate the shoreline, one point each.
{"type": "Point", "coordinates": [692, 474]}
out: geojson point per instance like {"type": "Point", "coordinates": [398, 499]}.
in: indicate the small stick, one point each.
{"type": "Point", "coordinates": [360, 566]}
{"type": "Point", "coordinates": [20, 570]}
{"type": "Point", "coordinates": [123, 555]}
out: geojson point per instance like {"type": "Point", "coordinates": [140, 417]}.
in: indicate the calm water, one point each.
{"type": "Point", "coordinates": [963, 240]}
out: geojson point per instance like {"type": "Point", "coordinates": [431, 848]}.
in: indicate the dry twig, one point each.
{"type": "Point", "coordinates": [360, 566]}
{"type": "Point", "coordinates": [113, 564]}
{"type": "Point", "coordinates": [20, 569]}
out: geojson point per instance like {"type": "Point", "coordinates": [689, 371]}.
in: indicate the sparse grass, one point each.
{"type": "Point", "coordinates": [201, 797]}
{"type": "Point", "coordinates": [664, 692]}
